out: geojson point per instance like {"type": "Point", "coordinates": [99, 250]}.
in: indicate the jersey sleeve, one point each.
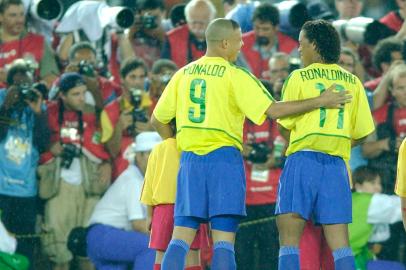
{"type": "Point", "coordinates": [400, 188]}
{"type": "Point", "coordinates": [165, 109]}
{"type": "Point", "coordinates": [252, 98]}
{"type": "Point", "coordinates": [290, 92]}
{"type": "Point", "coordinates": [362, 121]}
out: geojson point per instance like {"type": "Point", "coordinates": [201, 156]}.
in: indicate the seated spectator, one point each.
{"type": "Point", "coordinates": [117, 235]}
{"type": "Point", "coordinates": [348, 9]}
{"type": "Point", "coordinates": [264, 40]}
{"type": "Point", "coordinates": [279, 70]}
{"type": "Point", "coordinates": [372, 213]}
{"type": "Point", "coordinates": [187, 43]}
{"type": "Point", "coordinates": [16, 43]}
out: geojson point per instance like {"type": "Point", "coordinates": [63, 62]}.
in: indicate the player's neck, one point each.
{"type": "Point", "coordinates": [212, 53]}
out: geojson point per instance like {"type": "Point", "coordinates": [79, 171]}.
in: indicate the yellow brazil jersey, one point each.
{"type": "Point", "coordinates": [210, 98]}
{"type": "Point", "coordinates": [161, 174]}
{"type": "Point", "coordinates": [400, 188]}
{"type": "Point", "coordinates": [326, 130]}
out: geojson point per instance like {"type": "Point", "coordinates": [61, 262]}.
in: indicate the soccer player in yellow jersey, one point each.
{"type": "Point", "coordinates": [314, 183]}
{"type": "Point", "coordinates": [400, 188]}
{"type": "Point", "coordinates": [210, 98]}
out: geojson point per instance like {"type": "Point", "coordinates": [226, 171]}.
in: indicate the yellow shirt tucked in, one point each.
{"type": "Point", "coordinates": [400, 188]}
{"type": "Point", "coordinates": [161, 174]}
{"type": "Point", "coordinates": [210, 98]}
{"type": "Point", "coordinates": [326, 130]}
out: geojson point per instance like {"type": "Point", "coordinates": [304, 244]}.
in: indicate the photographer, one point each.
{"type": "Point", "coordinates": [263, 152]}
{"type": "Point", "coordinates": [82, 59]}
{"type": "Point", "coordinates": [75, 171]}
{"type": "Point", "coordinates": [264, 40]}
{"type": "Point", "coordinates": [147, 34]}
{"type": "Point", "coordinates": [126, 116]}
{"type": "Point", "coordinates": [24, 134]}
{"type": "Point", "coordinates": [16, 42]}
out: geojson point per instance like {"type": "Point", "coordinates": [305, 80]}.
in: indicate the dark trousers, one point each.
{"type": "Point", "coordinates": [18, 215]}
{"type": "Point", "coordinates": [257, 246]}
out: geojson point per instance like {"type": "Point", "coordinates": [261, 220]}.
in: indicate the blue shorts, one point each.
{"type": "Point", "coordinates": [211, 185]}
{"type": "Point", "coordinates": [315, 186]}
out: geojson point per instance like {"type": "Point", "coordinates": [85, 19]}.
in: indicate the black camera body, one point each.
{"type": "Point", "coordinates": [86, 68]}
{"type": "Point", "coordinates": [259, 152]}
{"type": "Point", "coordinates": [27, 92]}
{"type": "Point", "coordinates": [138, 114]}
{"type": "Point", "coordinates": [70, 151]}
{"type": "Point", "coordinates": [148, 22]}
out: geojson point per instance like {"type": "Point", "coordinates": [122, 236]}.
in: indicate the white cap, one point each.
{"type": "Point", "coordinates": [145, 141]}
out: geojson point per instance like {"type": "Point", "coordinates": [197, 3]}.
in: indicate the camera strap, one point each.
{"type": "Point", "coordinates": [61, 120]}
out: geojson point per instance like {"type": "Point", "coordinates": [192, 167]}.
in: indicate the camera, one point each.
{"type": "Point", "coordinates": [138, 114]}
{"type": "Point", "coordinates": [70, 151]}
{"type": "Point", "coordinates": [259, 152]}
{"type": "Point", "coordinates": [27, 92]}
{"type": "Point", "coordinates": [149, 22]}
{"type": "Point", "coordinates": [362, 30]}
{"type": "Point", "coordinates": [86, 68]}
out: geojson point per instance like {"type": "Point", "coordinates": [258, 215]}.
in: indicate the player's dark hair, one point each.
{"type": "Point", "coordinates": [325, 38]}
{"type": "Point", "coordinates": [266, 12]}
{"type": "Point", "coordinates": [364, 174]}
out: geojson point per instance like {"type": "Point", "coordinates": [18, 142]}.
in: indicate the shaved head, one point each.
{"type": "Point", "coordinates": [220, 29]}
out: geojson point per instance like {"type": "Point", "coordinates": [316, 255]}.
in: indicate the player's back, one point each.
{"type": "Point", "coordinates": [212, 99]}
{"type": "Point", "coordinates": [326, 130]}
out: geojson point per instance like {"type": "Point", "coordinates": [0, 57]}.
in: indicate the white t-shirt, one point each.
{"type": "Point", "coordinates": [8, 244]}
{"type": "Point", "coordinates": [120, 204]}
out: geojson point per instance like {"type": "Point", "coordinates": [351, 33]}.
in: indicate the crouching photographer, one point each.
{"type": "Point", "coordinates": [23, 135]}
{"type": "Point", "coordinates": [75, 172]}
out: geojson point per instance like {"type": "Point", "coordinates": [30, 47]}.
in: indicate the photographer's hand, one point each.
{"type": "Point", "coordinates": [125, 119]}
{"type": "Point", "coordinates": [35, 105]}
{"type": "Point", "coordinates": [56, 149]}
{"type": "Point", "coordinates": [12, 97]}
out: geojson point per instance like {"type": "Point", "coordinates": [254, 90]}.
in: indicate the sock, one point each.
{"type": "Point", "coordinates": [194, 267]}
{"type": "Point", "coordinates": [224, 256]}
{"type": "Point", "coordinates": [175, 255]}
{"type": "Point", "coordinates": [157, 267]}
{"type": "Point", "coordinates": [343, 259]}
{"type": "Point", "coordinates": [289, 258]}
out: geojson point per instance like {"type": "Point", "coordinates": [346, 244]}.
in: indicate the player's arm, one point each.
{"type": "Point", "coordinates": [328, 99]}
{"type": "Point", "coordinates": [285, 133]}
{"type": "Point", "coordinates": [165, 130]}
{"type": "Point", "coordinates": [358, 141]}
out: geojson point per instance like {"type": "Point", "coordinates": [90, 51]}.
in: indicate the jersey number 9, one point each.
{"type": "Point", "coordinates": [198, 115]}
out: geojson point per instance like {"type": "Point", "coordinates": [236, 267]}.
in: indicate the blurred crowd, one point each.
{"type": "Point", "coordinates": [79, 81]}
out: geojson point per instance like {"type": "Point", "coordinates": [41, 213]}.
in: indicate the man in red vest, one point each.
{"type": "Point", "coordinates": [16, 43]}
{"type": "Point", "coordinates": [264, 40]}
{"type": "Point", "coordinates": [187, 43]}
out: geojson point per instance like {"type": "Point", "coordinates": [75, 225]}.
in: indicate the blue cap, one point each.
{"type": "Point", "coordinates": [70, 80]}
